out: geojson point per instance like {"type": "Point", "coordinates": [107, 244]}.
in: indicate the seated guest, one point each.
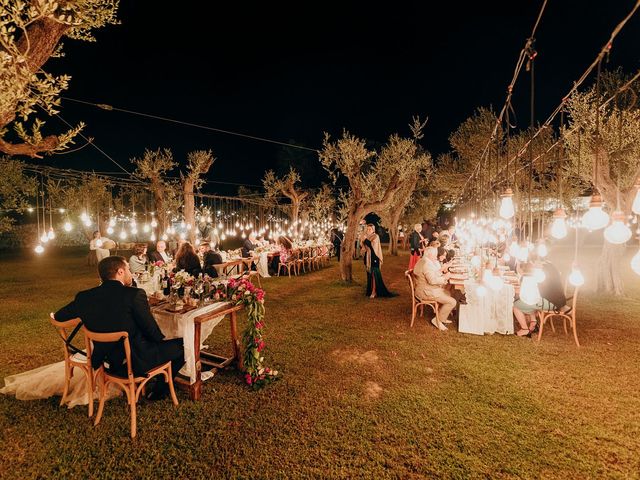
{"type": "Point", "coordinates": [138, 261]}
{"type": "Point", "coordinates": [115, 306]}
{"type": "Point", "coordinates": [249, 244]}
{"type": "Point", "coordinates": [430, 283]}
{"type": "Point", "coordinates": [187, 260]}
{"type": "Point", "coordinates": [284, 248]}
{"type": "Point", "coordinates": [434, 244]}
{"type": "Point", "coordinates": [552, 293]}
{"type": "Point", "coordinates": [161, 254]}
{"type": "Point", "coordinates": [97, 243]}
{"type": "Point", "coordinates": [209, 259]}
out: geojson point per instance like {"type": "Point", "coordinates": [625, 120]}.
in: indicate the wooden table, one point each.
{"type": "Point", "coordinates": [189, 326]}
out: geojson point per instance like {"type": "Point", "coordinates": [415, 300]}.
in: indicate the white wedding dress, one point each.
{"type": "Point", "coordinates": [48, 381]}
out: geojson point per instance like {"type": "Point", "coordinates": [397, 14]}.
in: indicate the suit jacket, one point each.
{"type": "Point", "coordinates": [246, 247]}
{"type": "Point", "coordinates": [209, 260]}
{"type": "Point", "coordinates": [112, 307]}
{"type": "Point", "coordinates": [429, 279]}
{"type": "Point", "coordinates": [156, 257]}
{"type": "Point", "coordinates": [551, 289]}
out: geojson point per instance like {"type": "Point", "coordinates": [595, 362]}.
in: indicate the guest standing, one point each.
{"type": "Point", "coordinates": [336, 240]}
{"type": "Point", "coordinates": [416, 245]}
{"type": "Point", "coordinates": [373, 260]}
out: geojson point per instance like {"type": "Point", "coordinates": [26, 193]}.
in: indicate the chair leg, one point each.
{"type": "Point", "coordinates": [437, 311]}
{"type": "Point", "coordinates": [553, 327]}
{"type": "Point", "coordinates": [575, 330]}
{"type": "Point", "coordinates": [564, 324]}
{"type": "Point", "coordinates": [103, 394]}
{"type": "Point", "coordinates": [90, 386]}
{"type": "Point", "coordinates": [172, 390]}
{"type": "Point", "coordinates": [542, 320]}
{"type": "Point", "coordinates": [68, 372]}
{"type": "Point", "coordinates": [413, 313]}
{"type": "Point", "coordinates": [132, 399]}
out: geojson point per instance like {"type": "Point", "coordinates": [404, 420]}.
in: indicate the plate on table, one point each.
{"type": "Point", "coordinates": [459, 277]}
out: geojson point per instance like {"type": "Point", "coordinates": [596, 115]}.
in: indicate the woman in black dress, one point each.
{"type": "Point", "coordinates": [373, 261]}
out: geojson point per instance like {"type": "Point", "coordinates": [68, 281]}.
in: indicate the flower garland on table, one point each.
{"type": "Point", "coordinates": [243, 292]}
{"type": "Point", "coordinates": [239, 292]}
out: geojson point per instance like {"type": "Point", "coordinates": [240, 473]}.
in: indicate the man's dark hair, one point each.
{"type": "Point", "coordinates": [109, 266]}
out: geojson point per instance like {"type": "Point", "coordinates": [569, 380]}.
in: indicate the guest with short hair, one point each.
{"type": "Point", "coordinates": [138, 261]}
{"type": "Point", "coordinates": [430, 283]}
{"type": "Point", "coordinates": [160, 254]}
{"type": "Point", "coordinates": [209, 259]}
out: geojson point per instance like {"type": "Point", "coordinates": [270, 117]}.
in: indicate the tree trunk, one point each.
{"type": "Point", "coordinates": [158, 199]}
{"type": "Point", "coordinates": [393, 232]}
{"type": "Point", "coordinates": [348, 246]}
{"type": "Point", "coordinates": [295, 211]}
{"type": "Point", "coordinates": [608, 275]}
{"type": "Point", "coordinates": [190, 209]}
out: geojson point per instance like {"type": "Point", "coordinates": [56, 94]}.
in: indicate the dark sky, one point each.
{"type": "Point", "coordinates": [290, 71]}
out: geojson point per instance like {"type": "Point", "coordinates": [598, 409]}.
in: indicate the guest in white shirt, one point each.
{"type": "Point", "coordinates": [97, 243]}
{"type": "Point", "coordinates": [430, 282]}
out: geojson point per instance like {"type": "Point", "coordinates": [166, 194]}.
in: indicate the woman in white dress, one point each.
{"type": "Point", "coordinates": [98, 244]}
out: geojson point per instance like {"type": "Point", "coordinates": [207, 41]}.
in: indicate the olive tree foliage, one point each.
{"type": "Point", "coordinates": [89, 194]}
{"type": "Point", "coordinates": [31, 32]}
{"type": "Point", "coordinates": [153, 169]}
{"type": "Point", "coordinates": [15, 188]}
{"type": "Point", "coordinates": [320, 209]}
{"type": "Point", "coordinates": [198, 164]}
{"type": "Point", "coordinates": [287, 186]}
{"type": "Point", "coordinates": [603, 144]}
{"type": "Point", "coordinates": [373, 177]}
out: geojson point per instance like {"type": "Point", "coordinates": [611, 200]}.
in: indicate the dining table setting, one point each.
{"type": "Point", "coordinates": [490, 290]}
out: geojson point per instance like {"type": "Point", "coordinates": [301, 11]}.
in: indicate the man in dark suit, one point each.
{"type": "Point", "coordinates": [115, 306]}
{"type": "Point", "coordinates": [209, 259]}
{"type": "Point", "coordinates": [250, 243]}
{"type": "Point", "coordinates": [160, 254]}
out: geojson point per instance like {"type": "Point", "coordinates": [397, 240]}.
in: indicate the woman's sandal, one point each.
{"type": "Point", "coordinates": [523, 332]}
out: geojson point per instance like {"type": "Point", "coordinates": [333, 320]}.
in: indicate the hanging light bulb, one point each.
{"type": "Point", "coordinates": [154, 224]}
{"type": "Point", "coordinates": [538, 273]}
{"type": "Point", "coordinates": [575, 277]}
{"type": "Point", "coordinates": [134, 231]}
{"type": "Point", "coordinates": [146, 228]}
{"type": "Point", "coordinates": [529, 292]}
{"type": "Point", "coordinates": [595, 218]}
{"type": "Point", "coordinates": [165, 237]}
{"type": "Point", "coordinates": [523, 252]}
{"type": "Point", "coordinates": [220, 226]}
{"type": "Point", "coordinates": [87, 222]}
{"type": "Point", "coordinates": [84, 216]}
{"type": "Point", "coordinates": [39, 249]}
{"type": "Point", "coordinates": [123, 234]}
{"type": "Point", "coordinates": [541, 249]}
{"type": "Point", "coordinates": [506, 205]}
{"type": "Point", "coordinates": [51, 234]}
{"type": "Point", "coordinates": [617, 232]}
{"type": "Point", "coordinates": [110, 230]}
{"type": "Point", "coordinates": [635, 263]}
{"type": "Point", "coordinates": [152, 238]}
{"type": "Point", "coordinates": [635, 207]}
{"type": "Point", "coordinates": [183, 235]}
{"type": "Point", "coordinates": [223, 237]}
{"type": "Point", "coordinates": [112, 222]}
{"type": "Point", "coordinates": [67, 226]}
{"type": "Point", "coordinates": [99, 243]}
{"type": "Point", "coordinates": [559, 225]}
{"type": "Point", "coordinates": [44, 238]}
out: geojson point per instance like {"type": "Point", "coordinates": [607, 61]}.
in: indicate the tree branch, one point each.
{"type": "Point", "coordinates": [31, 150]}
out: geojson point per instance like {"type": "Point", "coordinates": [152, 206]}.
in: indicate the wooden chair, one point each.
{"type": "Point", "coordinates": [291, 263]}
{"type": "Point", "coordinates": [73, 360]}
{"type": "Point", "coordinates": [133, 386]}
{"type": "Point", "coordinates": [417, 303]}
{"type": "Point", "coordinates": [545, 315]}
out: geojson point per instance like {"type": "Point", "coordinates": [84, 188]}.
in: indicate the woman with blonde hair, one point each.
{"type": "Point", "coordinates": [416, 245]}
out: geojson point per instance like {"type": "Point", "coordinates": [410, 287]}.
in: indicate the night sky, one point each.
{"type": "Point", "coordinates": [290, 71]}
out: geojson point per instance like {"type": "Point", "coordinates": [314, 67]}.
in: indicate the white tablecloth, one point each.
{"type": "Point", "coordinates": [262, 264]}
{"type": "Point", "coordinates": [491, 313]}
{"type": "Point", "coordinates": [175, 325]}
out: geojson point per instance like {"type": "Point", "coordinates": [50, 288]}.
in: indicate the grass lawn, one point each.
{"type": "Point", "coordinates": [362, 394]}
